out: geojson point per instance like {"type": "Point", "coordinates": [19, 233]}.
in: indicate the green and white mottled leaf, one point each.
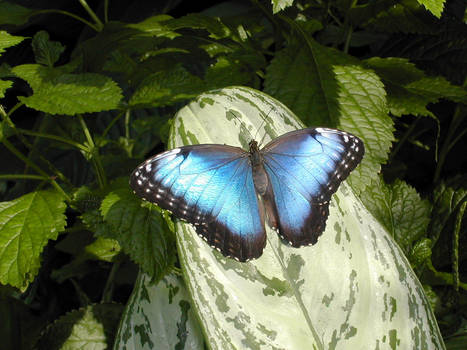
{"type": "Point", "coordinates": [59, 92]}
{"type": "Point", "coordinates": [26, 225]}
{"type": "Point", "coordinates": [354, 289]}
{"type": "Point", "coordinates": [159, 316]}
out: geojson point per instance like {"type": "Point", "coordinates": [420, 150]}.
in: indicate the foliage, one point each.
{"type": "Point", "coordinates": [88, 92]}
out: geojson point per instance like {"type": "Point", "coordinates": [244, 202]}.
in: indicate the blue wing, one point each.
{"type": "Point", "coordinates": [211, 187]}
{"type": "Point", "coordinates": [305, 168]}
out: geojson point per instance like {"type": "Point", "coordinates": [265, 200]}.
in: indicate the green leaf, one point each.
{"type": "Point", "coordinates": [46, 52]}
{"type": "Point", "coordinates": [337, 92]}
{"type": "Point", "coordinates": [421, 251]}
{"type": "Point", "coordinates": [26, 225]}
{"type": "Point", "coordinates": [309, 99]}
{"type": "Point", "coordinates": [159, 316]}
{"type": "Point", "coordinates": [4, 85]}
{"type": "Point", "coordinates": [155, 26]}
{"type": "Point", "coordinates": [434, 6]}
{"type": "Point", "coordinates": [399, 208]}
{"type": "Point", "coordinates": [7, 40]}
{"type": "Point", "coordinates": [406, 16]}
{"type": "Point", "coordinates": [229, 70]}
{"type": "Point", "coordinates": [409, 90]}
{"type": "Point", "coordinates": [14, 14]}
{"type": "Point", "coordinates": [57, 92]}
{"type": "Point", "coordinates": [321, 294]}
{"type": "Point", "coordinates": [448, 201]}
{"type": "Point", "coordinates": [93, 327]}
{"type": "Point", "coordinates": [215, 27]}
{"type": "Point", "coordinates": [166, 87]}
{"type": "Point", "coordinates": [458, 340]}
{"type": "Point", "coordinates": [361, 109]}
{"type": "Point", "coordinates": [104, 249]}
{"type": "Point", "coordinates": [279, 5]}
{"type": "Point", "coordinates": [448, 197]}
{"type": "Point", "coordinates": [140, 230]}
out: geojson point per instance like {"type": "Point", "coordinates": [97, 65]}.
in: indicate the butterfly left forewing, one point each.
{"type": "Point", "coordinates": [305, 168]}
{"type": "Point", "coordinates": [211, 187]}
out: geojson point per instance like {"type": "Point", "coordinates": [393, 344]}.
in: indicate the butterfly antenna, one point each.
{"type": "Point", "coordinates": [241, 123]}
{"type": "Point", "coordinates": [263, 122]}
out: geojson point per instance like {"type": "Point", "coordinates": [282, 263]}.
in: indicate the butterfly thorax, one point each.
{"type": "Point", "coordinates": [260, 177]}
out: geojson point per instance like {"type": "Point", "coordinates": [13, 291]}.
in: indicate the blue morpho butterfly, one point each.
{"type": "Point", "coordinates": [227, 192]}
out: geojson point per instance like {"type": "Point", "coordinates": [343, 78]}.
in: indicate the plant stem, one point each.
{"type": "Point", "coordinates": [77, 145]}
{"type": "Point", "coordinates": [448, 143]}
{"type": "Point", "coordinates": [94, 154]}
{"type": "Point", "coordinates": [24, 176]}
{"type": "Point", "coordinates": [18, 154]}
{"type": "Point", "coordinates": [402, 140]}
{"type": "Point", "coordinates": [91, 13]}
{"type": "Point", "coordinates": [111, 124]}
{"type": "Point", "coordinates": [109, 285]}
{"type": "Point", "coordinates": [106, 11]}
{"type": "Point", "coordinates": [66, 13]}
{"type": "Point", "coordinates": [455, 246]}
{"type": "Point", "coordinates": [19, 133]}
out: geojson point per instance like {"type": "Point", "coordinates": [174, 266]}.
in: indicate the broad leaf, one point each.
{"type": "Point", "coordinates": [93, 327]}
{"type": "Point", "coordinates": [318, 297]}
{"type": "Point", "coordinates": [58, 92]}
{"type": "Point", "coordinates": [141, 231]}
{"type": "Point", "coordinates": [14, 14]}
{"type": "Point", "coordinates": [166, 87]}
{"type": "Point", "coordinates": [409, 89]}
{"type": "Point", "coordinates": [406, 16]}
{"type": "Point", "coordinates": [7, 40]}
{"type": "Point", "coordinates": [26, 225]}
{"type": "Point", "coordinates": [159, 316]}
{"type": "Point", "coordinates": [213, 25]}
{"type": "Point", "coordinates": [336, 92]}
{"type": "Point", "coordinates": [399, 208]}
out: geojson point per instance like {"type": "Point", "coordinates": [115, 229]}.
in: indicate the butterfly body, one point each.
{"type": "Point", "coordinates": [227, 193]}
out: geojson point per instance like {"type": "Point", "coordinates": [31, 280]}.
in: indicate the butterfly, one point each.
{"type": "Point", "coordinates": [228, 193]}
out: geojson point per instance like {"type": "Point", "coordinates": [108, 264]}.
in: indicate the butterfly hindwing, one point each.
{"type": "Point", "coordinates": [211, 187]}
{"type": "Point", "coordinates": [305, 168]}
